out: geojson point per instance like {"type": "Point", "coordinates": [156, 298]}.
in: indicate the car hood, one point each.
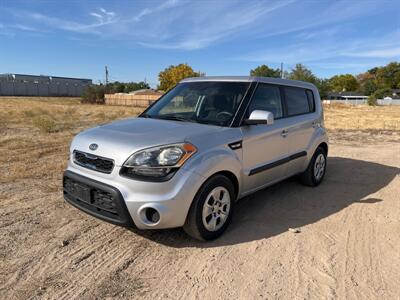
{"type": "Point", "coordinates": [120, 139]}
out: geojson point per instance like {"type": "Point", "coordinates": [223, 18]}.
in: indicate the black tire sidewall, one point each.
{"type": "Point", "coordinates": [318, 152]}
{"type": "Point", "coordinates": [201, 197]}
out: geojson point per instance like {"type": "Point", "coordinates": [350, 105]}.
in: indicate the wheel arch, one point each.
{"type": "Point", "coordinates": [324, 146]}
{"type": "Point", "coordinates": [232, 177]}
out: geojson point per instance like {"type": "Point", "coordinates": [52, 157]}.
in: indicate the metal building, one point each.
{"type": "Point", "coordinates": [33, 85]}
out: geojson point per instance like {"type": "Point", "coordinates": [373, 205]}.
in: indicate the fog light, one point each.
{"type": "Point", "coordinates": [152, 215]}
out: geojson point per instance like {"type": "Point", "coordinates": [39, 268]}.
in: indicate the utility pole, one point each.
{"type": "Point", "coordinates": [281, 69]}
{"type": "Point", "coordinates": [106, 69]}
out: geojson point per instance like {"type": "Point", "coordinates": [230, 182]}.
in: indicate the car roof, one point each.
{"type": "Point", "coordinates": [271, 80]}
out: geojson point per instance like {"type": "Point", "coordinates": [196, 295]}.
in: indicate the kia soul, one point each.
{"type": "Point", "coordinates": [190, 156]}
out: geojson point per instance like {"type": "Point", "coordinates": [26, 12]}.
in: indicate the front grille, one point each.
{"type": "Point", "coordinates": [93, 162]}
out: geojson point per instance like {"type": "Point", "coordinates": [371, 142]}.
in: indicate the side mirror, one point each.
{"type": "Point", "coordinates": [260, 117]}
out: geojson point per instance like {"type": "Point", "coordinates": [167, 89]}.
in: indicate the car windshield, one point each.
{"type": "Point", "coordinates": [213, 103]}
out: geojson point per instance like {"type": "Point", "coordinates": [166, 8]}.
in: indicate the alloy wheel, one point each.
{"type": "Point", "coordinates": [216, 208]}
{"type": "Point", "coordinates": [319, 167]}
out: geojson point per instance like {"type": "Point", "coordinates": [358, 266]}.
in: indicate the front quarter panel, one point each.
{"type": "Point", "coordinates": [216, 160]}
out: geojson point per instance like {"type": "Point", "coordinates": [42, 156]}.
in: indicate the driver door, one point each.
{"type": "Point", "coordinates": [264, 145]}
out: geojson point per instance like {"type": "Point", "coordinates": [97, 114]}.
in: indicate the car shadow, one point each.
{"type": "Point", "coordinates": [289, 204]}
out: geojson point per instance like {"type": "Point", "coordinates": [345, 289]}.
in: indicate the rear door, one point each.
{"type": "Point", "coordinates": [301, 124]}
{"type": "Point", "coordinates": [264, 146]}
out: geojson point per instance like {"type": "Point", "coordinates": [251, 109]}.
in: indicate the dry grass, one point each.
{"type": "Point", "coordinates": [35, 133]}
{"type": "Point", "coordinates": [362, 117]}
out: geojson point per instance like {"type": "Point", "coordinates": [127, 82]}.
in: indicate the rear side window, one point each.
{"type": "Point", "coordinates": [267, 97]}
{"type": "Point", "coordinates": [311, 100]}
{"type": "Point", "coordinates": [296, 101]}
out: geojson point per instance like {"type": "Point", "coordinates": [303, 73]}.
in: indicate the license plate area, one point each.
{"type": "Point", "coordinates": [81, 192]}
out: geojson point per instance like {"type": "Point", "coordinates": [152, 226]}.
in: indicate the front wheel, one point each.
{"type": "Point", "coordinates": [316, 169]}
{"type": "Point", "coordinates": [211, 210]}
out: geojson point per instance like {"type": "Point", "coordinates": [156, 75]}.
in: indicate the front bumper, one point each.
{"type": "Point", "coordinates": [96, 198]}
{"type": "Point", "coordinates": [127, 200]}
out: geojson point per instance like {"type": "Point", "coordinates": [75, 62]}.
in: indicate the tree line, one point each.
{"type": "Point", "coordinates": [95, 92]}
{"type": "Point", "coordinates": [376, 83]}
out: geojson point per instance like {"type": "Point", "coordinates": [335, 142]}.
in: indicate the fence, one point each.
{"type": "Point", "coordinates": [361, 102]}
{"type": "Point", "coordinates": [389, 101]}
{"type": "Point", "coordinates": [131, 99]}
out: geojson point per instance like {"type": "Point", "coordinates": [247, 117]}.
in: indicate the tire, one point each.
{"type": "Point", "coordinates": [202, 216]}
{"type": "Point", "coordinates": [310, 176]}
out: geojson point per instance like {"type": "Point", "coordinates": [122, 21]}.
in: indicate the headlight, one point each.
{"type": "Point", "coordinates": [158, 162]}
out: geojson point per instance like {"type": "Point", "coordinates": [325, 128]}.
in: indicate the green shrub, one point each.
{"type": "Point", "coordinates": [94, 94]}
{"type": "Point", "coordinates": [44, 124]}
{"type": "Point", "coordinates": [372, 101]}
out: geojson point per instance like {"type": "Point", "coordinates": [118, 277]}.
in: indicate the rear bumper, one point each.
{"type": "Point", "coordinates": [111, 209]}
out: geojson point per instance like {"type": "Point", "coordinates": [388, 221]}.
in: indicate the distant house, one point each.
{"type": "Point", "coordinates": [347, 96]}
{"type": "Point", "coordinates": [396, 94]}
{"type": "Point", "coordinates": [39, 85]}
{"type": "Point", "coordinates": [358, 98]}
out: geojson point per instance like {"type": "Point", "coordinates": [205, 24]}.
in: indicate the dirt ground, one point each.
{"type": "Point", "coordinates": [347, 247]}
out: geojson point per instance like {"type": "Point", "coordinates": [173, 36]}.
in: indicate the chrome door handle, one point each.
{"type": "Point", "coordinates": [314, 124]}
{"type": "Point", "coordinates": [284, 133]}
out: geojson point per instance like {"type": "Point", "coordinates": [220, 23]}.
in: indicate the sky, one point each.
{"type": "Point", "coordinates": [138, 39]}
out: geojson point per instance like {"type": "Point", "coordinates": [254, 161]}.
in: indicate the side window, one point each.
{"type": "Point", "coordinates": [311, 100]}
{"type": "Point", "coordinates": [296, 101]}
{"type": "Point", "coordinates": [267, 97]}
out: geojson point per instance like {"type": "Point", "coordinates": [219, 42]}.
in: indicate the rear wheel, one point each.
{"type": "Point", "coordinates": [211, 210]}
{"type": "Point", "coordinates": [316, 169]}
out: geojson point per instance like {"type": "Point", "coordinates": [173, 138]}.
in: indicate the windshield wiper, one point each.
{"type": "Point", "coordinates": [174, 118]}
{"type": "Point", "coordinates": [145, 116]}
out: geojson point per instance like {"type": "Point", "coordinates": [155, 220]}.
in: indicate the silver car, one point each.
{"type": "Point", "coordinates": [189, 157]}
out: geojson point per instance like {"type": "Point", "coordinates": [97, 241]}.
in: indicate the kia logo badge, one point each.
{"type": "Point", "coordinates": [93, 147]}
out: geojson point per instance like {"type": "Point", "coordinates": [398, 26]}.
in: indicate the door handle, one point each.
{"type": "Point", "coordinates": [284, 133]}
{"type": "Point", "coordinates": [314, 124]}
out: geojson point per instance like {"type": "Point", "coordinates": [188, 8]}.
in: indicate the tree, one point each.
{"type": "Point", "coordinates": [388, 76]}
{"type": "Point", "coordinates": [265, 71]}
{"type": "Point", "coordinates": [302, 73]}
{"type": "Point", "coordinates": [134, 86]}
{"type": "Point", "coordinates": [173, 74]}
{"type": "Point", "coordinates": [368, 87]}
{"type": "Point", "coordinates": [116, 87]}
{"type": "Point", "coordinates": [373, 71]}
{"type": "Point", "coordinates": [382, 93]}
{"type": "Point", "coordinates": [125, 87]}
{"type": "Point", "coordinates": [366, 82]}
{"type": "Point", "coordinates": [345, 82]}
{"type": "Point", "coordinates": [93, 94]}
{"type": "Point", "coordinates": [323, 87]}
{"type": "Point", "coordinates": [379, 94]}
